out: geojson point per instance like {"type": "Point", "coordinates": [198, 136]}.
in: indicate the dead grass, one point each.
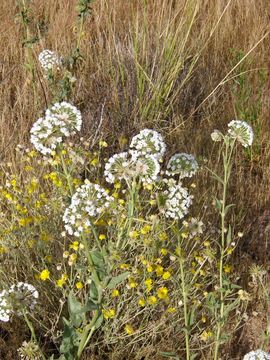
{"type": "Point", "coordinates": [166, 64]}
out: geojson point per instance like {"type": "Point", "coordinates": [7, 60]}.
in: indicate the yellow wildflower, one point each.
{"type": "Point", "coordinates": [102, 237]}
{"type": "Point", "coordinates": [74, 245]}
{"type": "Point", "coordinates": [166, 275]}
{"type": "Point", "coordinates": [171, 310]}
{"type": "Point", "coordinates": [115, 293]}
{"type": "Point", "coordinates": [162, 292]}
{"type": "Point", "coordinates": [159, 270]}
{"type": "Point", "coordinates": [152, 300]}
{"type": "Point", "coordinates": [79, 285]}
{"type": "Point", "coordinates": [141, 302]}
{"type": "Point", "coordinates": [44, 275]}
{"type": "Point", "coordinates": [206, 335]}
{"type": "Point", "coordinates": [129, 329]}
{"type": "Point", "coordinates": [108, 314]}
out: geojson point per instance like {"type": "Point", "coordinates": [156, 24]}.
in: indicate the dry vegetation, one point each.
{"type": "Point", "coordinates": [181, 67]}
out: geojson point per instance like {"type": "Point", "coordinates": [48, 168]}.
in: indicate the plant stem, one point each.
{"type": "Point", "coordinates": [227, 155]}
{"type": "Point", "coordinates": [67, 175]}
{"type": "Point", "coordinates": [185, 294]}
{"type": "Point", "coordinates": [33, 334]}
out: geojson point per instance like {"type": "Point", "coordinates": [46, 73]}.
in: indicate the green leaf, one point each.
{"type": "Point", "coordinates": [75, 309]}
{"type": "Point", "coordinates": [99, 263]}
{"type": "Point", "coordinates": [228, 207]}
{"type": "Point", "coordinates": [116, 280]}
{"type": "Point", "coordinates": [93, 292]}
{"type": "Point", "coordinates": [169, 355]}
{"type": "Point", "coordinates": [99, 321]}
{"type": "Point", "coordinates": [229, 236]}
{"type": "Point", "coordinates": [70, 340]}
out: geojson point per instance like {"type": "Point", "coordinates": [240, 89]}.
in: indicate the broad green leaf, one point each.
{"type": "Point", "coordinates": [116, 280]}
{"type": "Point", "coordinates": [75, 309]}
{"type": "Point", "coordinates": [69, 343]}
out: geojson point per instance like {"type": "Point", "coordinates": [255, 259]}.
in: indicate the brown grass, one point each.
{"type": "Point", "coordinates": [169, 64]}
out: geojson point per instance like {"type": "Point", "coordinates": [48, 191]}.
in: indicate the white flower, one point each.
{"type": "Point", "coordinates": [195, 227]}
{"type": "Point", "coordinates": [21, 296]}
{"type": "Point", "coordinates": [89, 201]}
{"type": "Point", "coordinates": [117, 167]}
{"type": "Point", "coordinates": [148, 142]}
{"type": "Point", "coordinates": [177, 201]}
{"type": "Point", "coordinates": [69, 115]}
{"type": "Point", "coordinates": [5, 309]}
{"type": "Point", "coordinates": [216, 135]}
{"type": "Point", "coordinates": [62, 120]}
{"type": "Point", "coordinates": [183, 164]}
{"type": "Point", "coordinates": [122, 166]}
{"type": "Point", "coordinates": [257, 355]}
{"type": "Point", "coordinates": [49, 60]}
{"type": "Point", "coordinates": [241, 131]}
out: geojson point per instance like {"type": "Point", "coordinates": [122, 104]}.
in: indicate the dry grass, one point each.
{"type": "Point", "coordinates": [169, 64]}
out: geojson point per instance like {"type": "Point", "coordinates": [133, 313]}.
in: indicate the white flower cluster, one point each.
{"type": "Point", "coordinates": [29, 351]}
{"type": "Point", "coordinates": [148, 142]}
{"type": "Point", "coordinates": [237, 129]}
{"type": "Point", "coordinates": [257, 355]}
{"type": "Point", "coordinates": [18, 297]}
{"type": "Point", "coordinates": [63, 119]}
{"type": "Point", "coordinates": [123, 166]}
{"type": "Point", "coordinates": [241, 131]}
{"type": "Point", "coordinates": [4, 307]}
{"type": "Point", "coordinates": [177, 201]}
{"type": "Point", "coordinates": [195, 227]}
{"type": "Point", "coordinates": [49, 60]}
{"type": "Point", "coordinates": [89, 201]}
{"type": "Point", "coordinates": [183, 164]}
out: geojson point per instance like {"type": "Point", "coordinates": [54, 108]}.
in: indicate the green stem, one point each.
{"type": "Point", "coordinates": [227, 156]}
{"type": "Point", "coordinates": [67, 175]}
{"type": "Point", "coordinates": [33, 334]}
{"type": "Point", "coordinates": [185, 300]}
{"type": "Point", "coordinates": [87, 334]}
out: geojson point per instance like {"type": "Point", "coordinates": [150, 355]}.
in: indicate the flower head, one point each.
{"type": "Point", "coordinates": [148, 142]}
{"type": "Point", "coordinates": [62, 120]}
{"type": "Point", "coordinates": [89, 201]}
{"type": "Point", "coordinates": [5, 309]}
{"type": "Point", "coordinates": [183, 164]}
{"type": "Point", "coordinates": [257, 355]}
{"type": "Point", "coordinates": [241, 131]}
{"type": "Point", "coordinates": [177, 201]}
{"type": "Point", "coordinates": [122, 166]}
{"type": "Point", "coordinates": [49, 60]}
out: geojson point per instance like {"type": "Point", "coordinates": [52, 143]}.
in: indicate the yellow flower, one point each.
{"type": "Point", "coordinates": [117, 185]}
{"type": "Point", "coordinates": [103, 143]}
{"type": "Point", "coordinates": [95, 161]}
{"type": "Point", "coordinates": [163, 251]}
{"type": "Point", "coordinates": [152, 300]}
{"type": "Point", "coordinates": [60, 282]}
{"type": "Point", "coordinates": [206, 243]}
{"type": "Point", "coordinates": [79, 285]}
{"type": "Point", "coordinates": [171, 310]}
{"type": "Point", "coordinates": [149, 268]}
{"type": "Point", "coordinates": [146, 229]}
{"type": "Point", "coordinates": [205, 335]}
{"type": "Point", "coordinates": [141, 302]}
{"type": "Point", "coordinates": [129, 329]}
{"type": "Point", "coordinates": [162, 292]}
{"type": "Point", "coordinates": [132, 283]}
{"type": "Point", "coordinates": [74, 245]}
{"type": "Point", "coordinates": [133, 234]}
{"type": "Point", "coordinates": [44, 275]}
{"type": "Point", "coordinates": [115, 293]}
{"type": "Point", "coordinates": [162, 236]}
{"type": "Point", "coordinates": [108, 314]}
{"type": "Point", "coordinates": [148, 282]}
{"type": "Point", "coordinates": [166, 275]}
{"type": "Point", "coordinates": [102, 237]}
{"type": "Point", "coordinates": [227, 268]}
{"type": "Point", "coordinates": [159, 270]}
